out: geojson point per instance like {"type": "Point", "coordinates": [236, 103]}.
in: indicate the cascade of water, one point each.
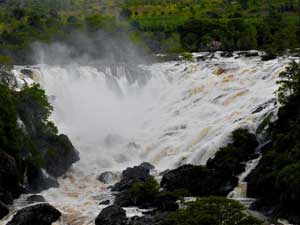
{"type": "Point", "coordinates": [181, 113]}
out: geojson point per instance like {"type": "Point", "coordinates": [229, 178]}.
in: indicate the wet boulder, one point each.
{"type": "Point", "coordinates": [105, 202]}
{"type": "Point", "coordinates": [38, 180]}
{"type": "Point", "coordinates": [112, 215]}
{"type": "Point", "coordinates": [40, 214]}
{"type": "Point", "coordinates": [248, 53]}
{"type": "Point", "coordinates": [198, 181]}
{"type": "Point", "coordinates": [9, 185]}
{"type": "Point", "coordinates": [108, 177]}
{"type": "Point", "coordinates": [60, 155]}
{"type": "Point", "coordinates": [35, 198]}
{"type": "Point", "coordinates": [147, 166]}
{"type": "Point", "coordinates": [130, 176]}
{"type": "Point", "coordinates": [3, 210]}
{"type": "Point", "coordinates": [227, 54]}
{"type": "Point", "coordinates": [27, 72]}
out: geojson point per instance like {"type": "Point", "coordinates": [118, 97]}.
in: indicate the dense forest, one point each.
{"type": "Point", "coordinates": [159, 27]}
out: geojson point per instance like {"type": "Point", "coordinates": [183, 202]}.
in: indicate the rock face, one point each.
{"type": "Point", "coordinates": [198, 180]}
{"type": "Point", "coordinates": [147, 166]}
{"type": "Point", "coordinates": [38, 181]}
{"type": "Point", "coordinates": [112, 215]}
{"type": "Point", "coordinates": [105, 202]}
{"type": "Point", "coordinates": [151, 219]}
{"type": "Point", "coordinates": [35, 198]}
{"type": "Point", "coordinates": [108, 177]}
{"type": "Point", "coordinates": [41, 214]}
{"type": "Point", "coordinates": [3, 210]}
{"type": "Point", "coordinates": [130, 176]}
{"type": "Point", "coordinates": [60, 155]}
{"type": "Point", "coordinates": [9, 186]}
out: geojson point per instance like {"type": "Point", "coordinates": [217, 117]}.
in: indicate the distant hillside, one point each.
{"type": "Point", "coordinates": [159, 26]}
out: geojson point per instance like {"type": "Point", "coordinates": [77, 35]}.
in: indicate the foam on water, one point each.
{"type": "Point", "coordinates": [182, 114]}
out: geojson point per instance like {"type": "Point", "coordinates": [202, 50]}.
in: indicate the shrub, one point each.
{"type": "Point", "coordinates": [211, 210]}
{"type": "Point", "coordinates": [144, 192]}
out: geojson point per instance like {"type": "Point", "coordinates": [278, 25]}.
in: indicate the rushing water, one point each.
{"type": "Point", "coordinates": [166, 113]}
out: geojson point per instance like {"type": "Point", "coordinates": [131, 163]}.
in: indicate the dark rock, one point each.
{"type": "Point", "coordinates": [9, 185]}
{"type": "Point", "coordinates": [108, 177]}
{"type": "Point", "coordinates": [112, 215]}
{"type": "Point", "coordinates": [254, 156]}
{"type": "Point", "coordinates": [105, 202]}
{"type": "Point", "coordinates": [41, 214]}
{"type": "Point", "coordinates": [130, 176]}
{"type": "Point", "coordinates": [144, 220]}
{"type": "Point", "coordinates": [3, 210]}
{"type": "Point", "coordinates": [150, 219]}
{"type": "Point", "coordinates": [230, 160]}
{"type": "Point", "coordinates": [166, 201]}
{"type": "Point", "coordinates": [147, 166]}
{"type": "Point", "coordinates": [268, 56]}
{"type": "Point", "coordinates": [6, 197]}
{"type": "Point", "coordinates": [37, 180]}
{"type": "Point", "coordinates": [27, 72]}
{"type": "Point", "coordinates": [201, 58]}
{"type": "Point", "coordinates": [226, 54]}
{"type": "Point", "coordinates": [35, 198]}
{"type": "Point", "coordinates": [198, 181]}
{"type": "Point", "coordinates": [123, 199]}
{"type": "Point", "coordinates": [164, 172]}
{"type": "Point", "coordinates": [60, 155]}
{"type": "Point", "coordinates": [248, 53]}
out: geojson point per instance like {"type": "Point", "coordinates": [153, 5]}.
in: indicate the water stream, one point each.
{"type": "Point", "coordinates": [168, 114]}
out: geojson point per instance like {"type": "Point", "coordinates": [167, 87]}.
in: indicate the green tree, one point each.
{"type": "Point", "coordinates": [144, 192]}
{"type": "Point", "coordinates": [211, 211]}
{"type": "Point", "coordinates": [10, 134]}
{"type": "Point", "coordinates": [289, 82]}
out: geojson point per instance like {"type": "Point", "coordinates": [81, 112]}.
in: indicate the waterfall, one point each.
{"type": "Point", "coordinates": [168, 113]}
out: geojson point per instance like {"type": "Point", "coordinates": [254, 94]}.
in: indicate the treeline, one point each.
{"type": "Point", "coordinates": [21, 27]}
{"type": "Point", "coordinates": [272, 33]}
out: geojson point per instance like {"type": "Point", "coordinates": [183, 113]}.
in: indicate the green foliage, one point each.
{"type": "Point", "coordinates": [23, 122]}
{"type": "Point", "coordinates": [97, 22]}
{"type": "Point", "coordinates": [188, 56]}
{"type": "Point", "coordinates": [230, 159]}
{"type": "Point", "coordinates": [275, 180]}
{"type": "Point", "coordinates": [289, 82]}
{"type": "Point", "coordinates": [142, 192]}
{"type": "Point", "coordinates": [10, 134]}
{"type": "Point", "coordinates": [211, 211]}
{"type": "Point", "coordinates": [240, 25]}
{"type": "Point", "coordinates": [287, 183]}
{"type": "Point", "coordinates": [6, 63]}
{"type": "Point", "coordinates": [34, 110]}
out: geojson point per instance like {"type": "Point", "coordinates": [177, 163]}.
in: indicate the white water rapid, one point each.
{"type": "Point", "coordinates": [176, 113]}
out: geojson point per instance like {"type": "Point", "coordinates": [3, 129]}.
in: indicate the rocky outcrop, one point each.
{"type": "Point", "coordinates": [38, 180]}
{"type": "Point", "coordinates": [112, 215]}
{"type": "Point", "coordinates": [9, 185]}
{"type": "Point", "coordinates": [3, 210]}
{"type": "Point", "coordinates": [147, 166]}
{"type": "Point", "coordinates": [108, 177]}
{"type": "Point", "coordinates": [105, 202]}
{"type": "Point", "coordinates": [198, 181]}
{"type": "Point", "coordinates": [130, 176]}
{"type": "Point", "coordinates": [60, 155]}
{"type": "Point", "coordinates": [155, 218]}
{"type": "Point", "coordinates": [41, 214]}
{"type": "Point", "coordinates": [35, 198]}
